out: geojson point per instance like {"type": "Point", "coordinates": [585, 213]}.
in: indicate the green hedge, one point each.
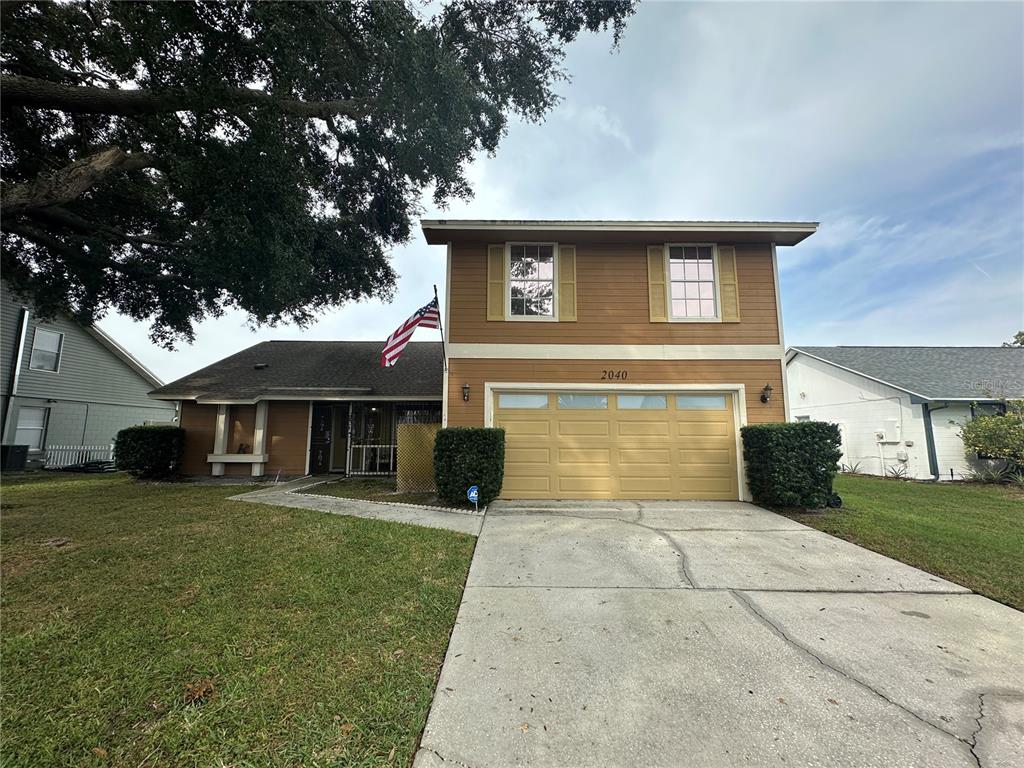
{"type": "Point", "coordinates": [149, 451]}
{"type": "Point", "coordinates": [465, 456]}
{"type": "Point", "coordinates": [792, 465]}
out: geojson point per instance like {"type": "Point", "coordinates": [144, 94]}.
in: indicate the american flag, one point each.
{"type": "Point", "coordinates": [428, 317]}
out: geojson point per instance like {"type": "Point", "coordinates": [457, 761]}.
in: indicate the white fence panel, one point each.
{"type": "Point", "coordinates": [64, 455]}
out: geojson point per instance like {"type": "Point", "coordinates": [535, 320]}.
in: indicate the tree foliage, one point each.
{"type": "Point", "coordinates": [171, 160]}
{"type": "Point", "coordinates": [998, 436]}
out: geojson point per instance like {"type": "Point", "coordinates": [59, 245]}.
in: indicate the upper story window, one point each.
{"type": "Point", "coordinates": [692, 282]}
{"type": "Point", "coordinates": [531, 284]}
{"type": "Point", "coordinates": [46, 347]}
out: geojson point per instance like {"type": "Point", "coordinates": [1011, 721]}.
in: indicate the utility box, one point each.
{"type": "Point", "coordinates": [13, 457]}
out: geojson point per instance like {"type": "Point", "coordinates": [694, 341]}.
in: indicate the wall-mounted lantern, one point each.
{"type": "Point", "coordinates": [465, 392]}
{"type": "Point", "coordinates": [766, 393]}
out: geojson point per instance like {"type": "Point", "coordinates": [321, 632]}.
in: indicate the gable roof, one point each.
{"type": "Point", "coordinates": [123, 354]}
{"type": "Point", "coordinates": [441, 231]}
{"type": "Point", "coordinates": [313, 370]}
{"type": "Point", "coordinates": [933, 373]}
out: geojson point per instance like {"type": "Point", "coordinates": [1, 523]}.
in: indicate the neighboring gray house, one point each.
{"type": "Point", "coordinates": [62, 384]}
{"type": "Point", "coordinates": [900, 409]}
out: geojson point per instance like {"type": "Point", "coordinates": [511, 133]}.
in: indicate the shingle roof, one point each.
{"type": "Point", "coordinates": [313, 369]}
{"type": "Point", "coordinates": [937, 373]}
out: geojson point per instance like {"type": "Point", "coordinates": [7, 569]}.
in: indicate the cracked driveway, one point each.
{"type": "Point", "coordinates": [715, 634]}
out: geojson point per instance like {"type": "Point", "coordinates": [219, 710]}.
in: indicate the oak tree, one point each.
{"type": "Point", "coordinates": [172, 160]}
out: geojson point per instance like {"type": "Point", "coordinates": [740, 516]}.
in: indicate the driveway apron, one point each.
{"type": "Point", "coordinates": [715, 634]}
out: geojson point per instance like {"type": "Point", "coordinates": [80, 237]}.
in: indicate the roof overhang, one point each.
{"type": "Point", "coordinates": [442, 231]}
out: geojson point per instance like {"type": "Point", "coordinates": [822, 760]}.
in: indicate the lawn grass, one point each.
{"type": "Point", "coordinates": [971, 534]}
{"type": "Point", "coordinates": [321, 635]}
{"type": "Point", "coordinates": [378, 489]}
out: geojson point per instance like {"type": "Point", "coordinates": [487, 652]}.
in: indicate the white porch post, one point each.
{"type": "Point", "coordinates": [220, 440]}
{"type": "Point", "coordinates": [259, 437]}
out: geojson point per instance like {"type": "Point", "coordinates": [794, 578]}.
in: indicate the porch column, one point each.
{"type": "Point", "coordinates": [259, 436]}
{"type": "Point", "coordinates": [220, 440]}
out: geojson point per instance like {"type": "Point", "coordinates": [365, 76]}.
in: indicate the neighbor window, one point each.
{"type": "Point", "coordinates": [642, 402]}
{"type": "Point", "coordinates": [692, 281]}
{"type": "Point", "coordinates": [31, 428]}
{"type": "Point", "coordinates": [45, 350]}
{"type": "Point", "coordinates": [531, 280]}
{"type": "Point", "coordinates": [522, 400]}
{"type": "Point", "coordinates": [583, 401]}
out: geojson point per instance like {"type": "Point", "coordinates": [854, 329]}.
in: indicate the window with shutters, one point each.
{"type": "Point", "coordinates": [46, 346]}
{"type": "Point", "coordinates": [531, 281]}
{"type": "Point", "coordinates": [693, 290]}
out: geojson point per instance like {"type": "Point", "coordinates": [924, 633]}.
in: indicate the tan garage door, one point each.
{"type": "Point", "coordinates": [618, 445]}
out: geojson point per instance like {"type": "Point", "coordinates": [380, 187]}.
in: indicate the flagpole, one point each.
{"type": "Point", "coordinates": [440, 326]}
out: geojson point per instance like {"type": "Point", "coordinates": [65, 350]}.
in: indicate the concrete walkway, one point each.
{"type": "Point", "coordinates": [290, 495]}
{"type": "Point", "coordinates": [715, 634]}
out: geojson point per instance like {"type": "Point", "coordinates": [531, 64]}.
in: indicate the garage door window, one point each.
{"type": "Point", "coordinates": [522, 400]}
{"type": "Point", "coordinates": [592, 402]}
{"type": "Point", "coordinates": [700, 402]}
{"type": "Point", "coordinates": [642, 402]}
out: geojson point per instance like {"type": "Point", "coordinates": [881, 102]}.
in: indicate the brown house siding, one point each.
{"type": "Point", "coordinates": [287, 436]}
{"type": "Point", "coordinates": [200, 424]}
{"type": "Point", "coordinates": [612, 302]}
{"type": "Point", "coordinates": [752, 373]}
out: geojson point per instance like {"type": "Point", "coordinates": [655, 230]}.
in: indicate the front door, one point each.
{"type": "Point", "coordinates": [320, 440]}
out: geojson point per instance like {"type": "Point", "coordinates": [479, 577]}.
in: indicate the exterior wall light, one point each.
{"type": "Point", "coordinates": [766, 393]}
{"type": "Point", "coordinates": [465, 392]}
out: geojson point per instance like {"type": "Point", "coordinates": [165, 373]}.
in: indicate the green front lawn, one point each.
{"type": "Point", "coordinates": [165, 625]}
{"type": "Point", "coordinates": [967, 533]}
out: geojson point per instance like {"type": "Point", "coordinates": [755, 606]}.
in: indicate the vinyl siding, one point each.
{"type": "Point", "coordinates": [754, 374]}
{"type": "Point", "coordinates": [612, 302]}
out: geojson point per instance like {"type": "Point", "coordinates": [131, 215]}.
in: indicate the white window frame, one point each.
{"type": "Point", "coordinates": [60, 349]}
{"type": "Point", "coordinates": [42, 430]}
{"type": "Point", "coordinates": [553, 317]}
{"type": "Point", "coordinates": [716, 276]}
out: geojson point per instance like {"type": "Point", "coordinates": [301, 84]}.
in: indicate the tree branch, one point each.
{"type": "Point", "coordinates": [25, 91]}
{"type": "Point", "coordinates": [72, 181]}
{"type": "Point", "coordinates": [55, 215]}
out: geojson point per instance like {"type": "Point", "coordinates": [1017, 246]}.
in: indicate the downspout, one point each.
{"type": "Point", "coordinates": [929, 438]}
{"type": "Point", "coordinates": [15, 375]}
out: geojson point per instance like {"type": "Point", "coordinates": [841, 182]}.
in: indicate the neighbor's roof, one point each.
{"type": "Point", "coordinates": [933, 373]}
{"type": "Point", "coordinates": [313, 370]}
{"type": "Point", "coordinates": [441, 231]}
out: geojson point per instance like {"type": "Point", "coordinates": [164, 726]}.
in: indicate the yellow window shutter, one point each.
{"type": "Point", "coordinates": [495, 282]}
{"type": "Point", "coordinates": [567, 283]}
{"type": "Point", "coordinates": [656, 289]}
{"type": "Point", "coordinates": [728, 286]}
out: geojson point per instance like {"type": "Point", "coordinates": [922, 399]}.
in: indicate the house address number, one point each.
{"type": "Point", "coordinates": [619, 375]}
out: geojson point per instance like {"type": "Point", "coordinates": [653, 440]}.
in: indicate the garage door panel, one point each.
{"type": "Point", "coordinates": [528, 455]}
{"type": "Point", "coordinates": [569, 427]}
{"type": "Point", "coordinates": [648, 453]}
{"type": "Point", "coordinates": [601, 456]}
{"type": "Point", "coordinates": [645, 428]}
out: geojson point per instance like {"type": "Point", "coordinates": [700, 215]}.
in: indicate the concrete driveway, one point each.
{"type": "Point", "coordinates": [715, 634]}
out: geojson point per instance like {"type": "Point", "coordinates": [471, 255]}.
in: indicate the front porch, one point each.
{"type": "Point", "coordinates": [360, 437]}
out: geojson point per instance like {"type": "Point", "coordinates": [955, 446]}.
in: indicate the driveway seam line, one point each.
{"type": "Point", "coordinates": [779, 632]}
{"type": "Point", "coordinates": [730, 589]}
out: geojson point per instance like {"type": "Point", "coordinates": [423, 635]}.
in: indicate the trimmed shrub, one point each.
{"type": "Point", "coordinates": [149, 451]}
{"type": "Point", "coordinates": [792, 465]}
{"type": "Point", "coordinates": [465, 456]}
{"type": "Point", "coordinates": [997, 436]}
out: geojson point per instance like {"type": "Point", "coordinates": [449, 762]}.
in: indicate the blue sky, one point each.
{"type": "Point", "coordinates": [900, 127]}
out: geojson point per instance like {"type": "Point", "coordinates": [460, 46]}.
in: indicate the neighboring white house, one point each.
{"type": "Point", "coordinates": [902, 407]}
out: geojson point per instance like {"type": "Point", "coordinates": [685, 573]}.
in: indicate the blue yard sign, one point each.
{"type": "Point", "coordinates": [473, 494]}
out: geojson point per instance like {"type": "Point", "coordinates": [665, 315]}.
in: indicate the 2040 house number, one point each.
{"type": "Point", "coordinates": [620, 375]}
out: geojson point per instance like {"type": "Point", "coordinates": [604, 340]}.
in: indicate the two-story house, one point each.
{"type": "Point", "coordinates": [621, 358]}
{"type": "Point", "coordinates": [64, 386]}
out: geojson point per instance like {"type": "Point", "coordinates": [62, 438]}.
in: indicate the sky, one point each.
{"type": "Point", "coordinates": [899, 127]}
